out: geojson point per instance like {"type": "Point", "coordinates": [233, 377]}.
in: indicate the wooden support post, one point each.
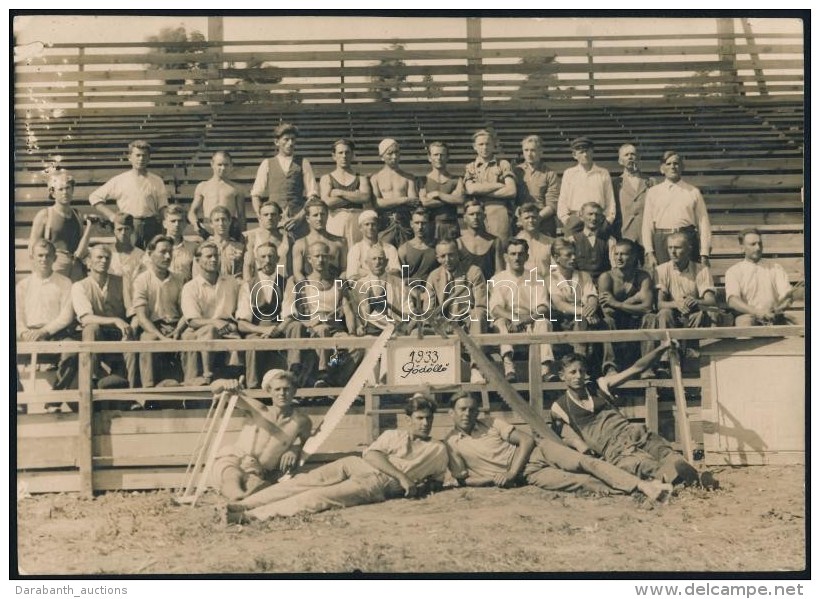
{"type": "Point", "coordinates": [371, 421]}
{"type": "Point", "coordinates": [727, 53]}
{"type": "Point", "coordinates": [216, 33]}
{"type": "Point", "coordinates": [591, 67]}
{"type": "Point", "coordinates": [536, 388]}
{"type": "Point", "coordinates": [474, 77]}
{"type": "Point", "coordinates": [753, 53]}
{"type": "Point", "coordinates": [652, 409]}
{"type": "Point", "coordinates": [85, 444]}
{"type": "Point", "coordinates": [342, 71]}
{"type": "Point", "coordinates": [81, 82]}
{"type": "Point", "coordinates": [682, 417]}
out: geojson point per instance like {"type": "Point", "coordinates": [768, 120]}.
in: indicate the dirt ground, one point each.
{"type": "Point", "coordinates": [755, 522]}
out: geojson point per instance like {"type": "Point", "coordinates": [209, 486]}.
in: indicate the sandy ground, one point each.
{"type": "Point", "coordinates": [754, 523]}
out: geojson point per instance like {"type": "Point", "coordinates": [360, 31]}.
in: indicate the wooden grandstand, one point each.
{"type": "Point", "coordinates": [743, 149]}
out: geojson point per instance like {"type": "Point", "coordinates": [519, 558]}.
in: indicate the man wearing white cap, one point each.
{"type": "Point", "coordinates": [357, 256]}
{"type": "Point", "coordinates": [266, 447]}
{"type": "Point", "coordinates": [395, 193]}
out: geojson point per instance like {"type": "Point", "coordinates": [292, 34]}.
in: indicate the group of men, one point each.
{"type": "Point", "coordinates": [334, 259]}
{"type": "Point", "coordinates": [591, 448]}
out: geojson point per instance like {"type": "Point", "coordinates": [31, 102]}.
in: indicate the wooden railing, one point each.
{"type": "Point", "coordinates": [80, 436]}
{"type": "Point", "coordinates": [198, 75]}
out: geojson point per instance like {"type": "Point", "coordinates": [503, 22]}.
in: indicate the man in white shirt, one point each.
{"type": "Point", "coordinates": [208, 305]}
{"type": "Point", "coordinates": [44, 311]}
{"type": "Point", "coordinates": [156, 303]}
{"type": "Point", "coordinates": [258, 311]}
{"type": "Point", "coordinates": [585, 182]}
{"type": "Point", "coordinates": [286, 179]}
{"type": "Point", "coordinates": [137, 192]}
{"type": "Point", "coordinates": [519, 303]}
{"type": "Point", "coordinates": [675, 206]}
{"type": "Point", "coordinates": [100, 304]}
{"type": "Point", "coordinates": [758, 290]}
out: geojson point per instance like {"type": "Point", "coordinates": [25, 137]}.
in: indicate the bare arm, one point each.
{"type": "Point", "coordinates": [507, 191]}
{"type": "Point", "coordinates": [38, 228]}
{"type": "Point", "coordinates": [615, 380]}
{"type": "Point", "coordinates": [196, 205]}
{"type": "Point", "coordinates": [380, 462]}
{"type": "Point", "coordinates": [146, 323]}
{"type": "Point", "coordinates": [240, 208]}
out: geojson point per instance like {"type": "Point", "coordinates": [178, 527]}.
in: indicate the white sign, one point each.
{"type": "Point", "coordinates": [424, 363]}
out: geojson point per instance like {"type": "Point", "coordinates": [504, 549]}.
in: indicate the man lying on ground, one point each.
{"type": "Point", "coordinates": [588, 421]}
{"type": "Point", "coordinates": [491, 451]}
{"type": "Point", "coordinates": [400, 463]}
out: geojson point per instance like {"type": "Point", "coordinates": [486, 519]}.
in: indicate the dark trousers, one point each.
{"type": "Point", "coordinates": [145, 229]}
{"type": "Point", "coordinates": [97, 332]}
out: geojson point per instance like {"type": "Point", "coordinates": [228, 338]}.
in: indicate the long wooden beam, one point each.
{"type": "Point", "coordinates": [365, 342]}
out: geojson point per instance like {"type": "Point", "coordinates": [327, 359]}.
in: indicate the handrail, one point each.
{"type": "Point", "coordinates": [43, 347]}
{"type": "Point", "coordinates": [285, 72]}
{"type": "Point", "coordinates": [86, 394]}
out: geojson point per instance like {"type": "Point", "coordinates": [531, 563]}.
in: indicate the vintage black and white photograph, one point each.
{"type": "Point", "coordinates": [362, 294]}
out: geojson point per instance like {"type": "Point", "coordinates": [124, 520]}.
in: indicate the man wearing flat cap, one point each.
{"type": "Point", "coordinates": [286, 179]}
{"type": "Point", "coordinates": [585, 182]}
{"type": "Point", "coordinates": [491, 181]}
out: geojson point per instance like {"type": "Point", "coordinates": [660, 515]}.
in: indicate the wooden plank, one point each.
{"type": "Point", "coordinates": [85, 446]}
{"type": "Point", "coordinates": [337, 84]}
{"type": "Point", "coordinates": [681, 416]}
{"type": "Point", "coordinates": [47, 452]}
{"type": "Point", "coordinates": [651, 399]}
{"type": "Point", "coordinates": [448, 69]}
{"type": "Point", "coordinates": [66, 481]}
{"type": "Point", "coordinates": [39, 426]}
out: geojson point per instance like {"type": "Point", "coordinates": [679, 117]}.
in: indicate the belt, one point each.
{"type": "Point", "coordinates": [685, 229]}
{"type": "Point", "coordinates": [144, 218]}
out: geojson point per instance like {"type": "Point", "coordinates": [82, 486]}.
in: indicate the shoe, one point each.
{"type": "Point", "coordinates": [321, 384]}
{"type": "Point", "coordinates": [547, 373]}
{"type": "Point", "coordinates": [476, 376]}
{"type": "Point", "coordinates": [610, 370]}
{"type": "Point", "coordinates": [663, 373]}
{"type": "Point", "coordinates": [708, 481]}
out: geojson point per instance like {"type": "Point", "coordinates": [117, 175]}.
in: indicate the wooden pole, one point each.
{"type": "Point", "coordinates": [85, 445]}
{"type": "Point", "coordinates": [81, 82]}
{"type": "Point", "coordinates": [680, 403]}
{"type": "Point", "coordinates": [755, 56]}
{"type": "Point", "coordinates": [728, 54]}
{"type": "Point", "coordinates": [474, 77]}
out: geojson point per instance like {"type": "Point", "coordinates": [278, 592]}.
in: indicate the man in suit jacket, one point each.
{"type": "Point", "coordinates": [630, 194]}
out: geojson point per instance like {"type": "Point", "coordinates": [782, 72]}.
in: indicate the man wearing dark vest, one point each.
{"type": "Point", "coordinates": [630, 196]}
{"type": "Point", "coordinates": [592, 246]}
{"type": "Point", "coordinates": [287, 180]}
{"type": "Point", "coordinates": [257, 316]}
